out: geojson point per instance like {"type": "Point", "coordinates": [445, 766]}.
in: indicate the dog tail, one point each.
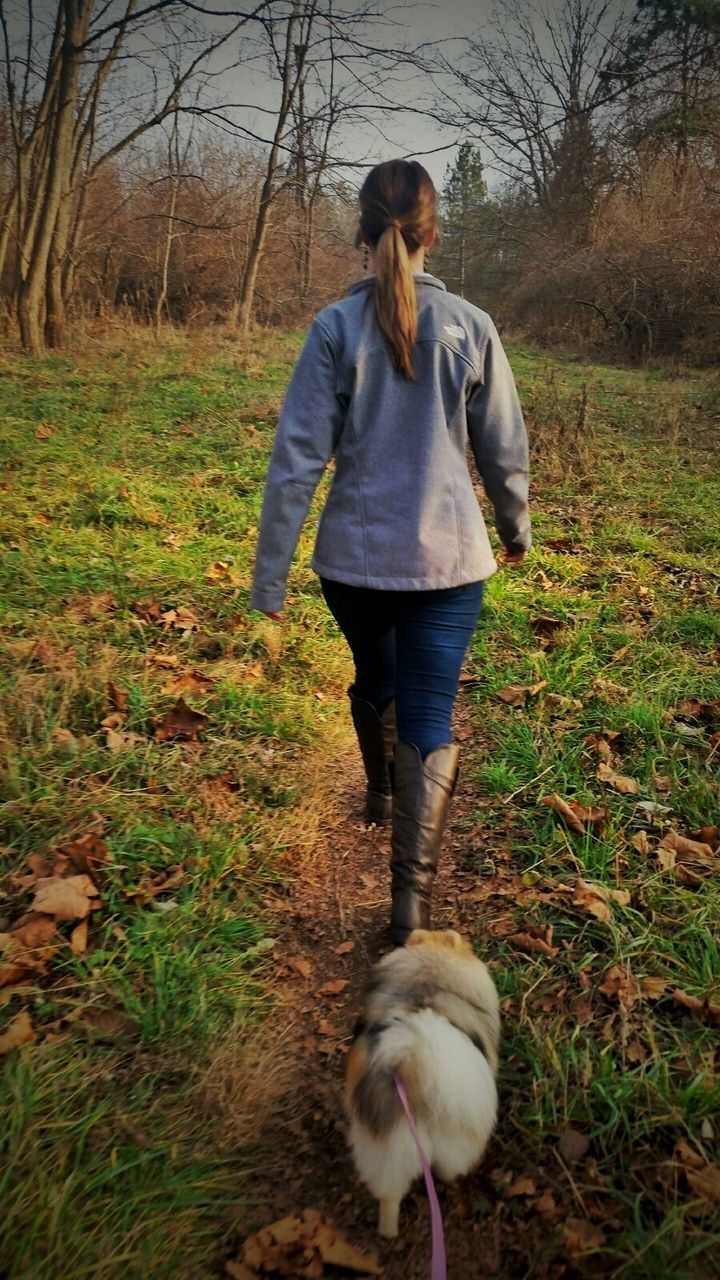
{"type": "Point", "coordinates": [376, 1059]}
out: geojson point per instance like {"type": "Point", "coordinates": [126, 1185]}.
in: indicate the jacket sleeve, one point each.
{"type": "Point", "coordinates": [500, 445]}
{"type": "Point", "coordinates": [308, 431]}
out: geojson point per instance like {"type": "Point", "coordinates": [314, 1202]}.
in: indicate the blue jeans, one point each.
{"type": "Point", "coordinates": [408, 645]}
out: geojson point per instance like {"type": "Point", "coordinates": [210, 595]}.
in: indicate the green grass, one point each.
{"type": "Point", "coordinates": [113, 1153]}
{"type": "Point", "coordinates": [637, 589]}
{"type": "Point", "coordinates": [117, 1154]}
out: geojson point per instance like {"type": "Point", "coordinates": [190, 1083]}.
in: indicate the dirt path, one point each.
{"type": "Point", "coordinates": [331, 928]}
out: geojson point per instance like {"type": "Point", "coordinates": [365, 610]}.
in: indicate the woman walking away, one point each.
{"type": "Point", "coordinates": [392, 381]}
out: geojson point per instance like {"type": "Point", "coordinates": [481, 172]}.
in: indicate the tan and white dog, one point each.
{"type": "Point", "coordinates": [430, 1017]}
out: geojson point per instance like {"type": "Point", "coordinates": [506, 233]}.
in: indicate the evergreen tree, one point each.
{"type": "Point", "coordinates": [469, 224]}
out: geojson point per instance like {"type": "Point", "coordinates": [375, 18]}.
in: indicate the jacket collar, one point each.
{"type": "Point", "coordinates": [421, 277]}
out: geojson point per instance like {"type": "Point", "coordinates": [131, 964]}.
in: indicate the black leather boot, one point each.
{"type": "Point", "coordinates": [421, 796]}
{"type": "Point", "coordinates": [376, 735]}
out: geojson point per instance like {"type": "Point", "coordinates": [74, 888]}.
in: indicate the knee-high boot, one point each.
{"type": "Point", "coordinates": [376, 735]}
{"type": "Point", "coordinates": [421, 795]}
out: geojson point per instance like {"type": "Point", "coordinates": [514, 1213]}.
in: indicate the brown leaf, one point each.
{"type": "Point", "coordinates": [573, 1145]}
{"type": "Point", "coordinates": [706, 835]}
{"type": "Point", "coordinates": [641, 843]}
{"type": "Point", "coordinates": [65, 897]}
{"type": "Point", "coordinates": [539, 945]}
{"type": "Point", "coordinates": [118, 697]}
{"type": "Point", "coordinates": [582, 1237]}
{"type": "Point", "coordinates": [326, 1028]}
{"type": "Point", "coordinates": [702, 1175]}
{"type": "Point", "coordinates": [546, 629]}
{"type": "Point", "coordinates": [652, 988]}
{"type": "Point", "coordinates": [516, 695]}
{"type": "Point", "coordinates": [37, 931]}
{"type": "Point", "coordinates": [560, 703]}
{"type": "Point", "coordinates": [44, 431]}
{"type": "Point", "coordinates": [79, 938]}
{"type": "Point", "coordinates": [180, 619]}
{"type": "Point", "coordinates": [521, 1187]}
{"type": "Point", "coordinates": [301, 965]}
{"type": "Point", "coordinates": [332, 988]}
{"type": "Point", "coordinates": [662, 782]}
{"type": "Point", "coordinates": [19, 1031]}
{"type": "Point", "coordinates": [566, 811]}
{"type": "Point", "coordinates": [301, 1246]}
{"type": "Point", "coordinates": [181, 721]}
{"type": "Point", "coordinates": [189, 682]}
{"type": "Point", "coordinates": [546, 1205]}
{"type": "Point", "coordinates": [119, 742]}
{"type": "Point", "coordinates": [595, 898]}
{"type": "Point", "coordinates": [705, 1008]}
{"type": "Point", "coordinates": [89, 853]}
{"type": "Point", "coordinates": [169, 660]}
{"type": "Point", "coordinates": [345, 948]}
{"type": "Point", "coordinates": [149, 610]}
{"type": "Point", "coordinates": [220, 571]}
{"type": "Point", "coordinates": [688, 852]}
{"type": "Point", "coordinates": [626, 786]}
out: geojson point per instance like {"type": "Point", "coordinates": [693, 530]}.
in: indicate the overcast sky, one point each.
{"type": "Point", "coordinates": [407, 133]}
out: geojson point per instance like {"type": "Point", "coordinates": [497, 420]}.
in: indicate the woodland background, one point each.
{"type": "Point", "coordinates": [582, 204]}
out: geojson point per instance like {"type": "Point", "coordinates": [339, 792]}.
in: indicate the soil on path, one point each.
{"type": "Point", "coordinates": [331, 927]}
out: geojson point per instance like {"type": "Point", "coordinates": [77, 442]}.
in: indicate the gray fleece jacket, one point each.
{"type": "Point", "coordinates": [401, 513]}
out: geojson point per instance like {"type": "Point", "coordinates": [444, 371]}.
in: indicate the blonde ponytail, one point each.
{"type": "Point", "coordinates": [396, 298]}
{"type": "Point", "coordinates": [398, 215]}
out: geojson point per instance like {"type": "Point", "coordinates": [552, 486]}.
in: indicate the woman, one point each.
{"type": "Point", "coordinates": [391, 382]}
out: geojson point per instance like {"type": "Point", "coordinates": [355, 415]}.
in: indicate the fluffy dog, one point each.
{"type": "Point", "coordinates": [431, 1016]}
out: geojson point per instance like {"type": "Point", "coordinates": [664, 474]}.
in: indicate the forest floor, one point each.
{"type": "Point", "coordinates": [191, 899]}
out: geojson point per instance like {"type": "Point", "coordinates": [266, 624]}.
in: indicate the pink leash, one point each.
{"type": "Point", "coordinates": [438, 1265]}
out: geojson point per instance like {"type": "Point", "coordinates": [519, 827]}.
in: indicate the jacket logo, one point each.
{"type": "Point", "coordinates": [454, 330]}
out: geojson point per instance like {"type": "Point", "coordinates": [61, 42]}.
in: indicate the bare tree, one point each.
{"type": "Point", "coordinates": [54, 81]}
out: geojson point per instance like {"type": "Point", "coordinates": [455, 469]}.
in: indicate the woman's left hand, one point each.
{"type": "Point", "coordinates": [510, 559]}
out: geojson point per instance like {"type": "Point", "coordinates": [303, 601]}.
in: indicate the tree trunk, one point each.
{"type": "Point", "coordinates": [55, 178]}
{"type": "Point", "coordinates": [268, 192]}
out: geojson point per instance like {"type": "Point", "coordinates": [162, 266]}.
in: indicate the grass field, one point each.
{"type": "Point", "coordinates": [131, 489]}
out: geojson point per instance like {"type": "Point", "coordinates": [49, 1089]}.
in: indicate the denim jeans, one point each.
{"type": "Point", "coordinates": [408, 645]}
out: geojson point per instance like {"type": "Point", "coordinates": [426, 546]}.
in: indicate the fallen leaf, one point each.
{"type": "Point", "coordinates": [626, 786]}
{"type": "Point", "coordinates": [148, 610]}
{"type": "Point", "coordinates": [118, 697]}
{"type": "Point", "coordinates": [326, 1028]}
{"type": "Point", "coordinates": [220, 571]}
{"type": "Point", "coordinates": [19, 1031]}
{"type": "Point", "coordinates": [652, 988]}
{"type": "Point", "coordinates": [300, 1246]}
{"type": "Point", "coordinates": [181, 721]}
{"type": "Point", "coordinates": [581, 1236]}
{"type": "Point", "coordinates": [119, 742]}
{"type": "Point", "coordinates": [705, 1008]}
{"type": "Point", "coordinates": [573, 1145]}
{"type": "Point", "coordinates": [169, 660]}
{"type": "Point", "coordinates": [189, 682]}
{"type": "Point", "coordinates": [546, 1205]}
{"type": "Point", "coordinates": [79, 938]}
{"type": "Point", "coordinates": [37, 931]}
{"type": "Point", "coordinates": [561, 703]}
{"type": "Point", "coordinates": [641, 843]}
{"type": "Point", "coordinates": [687, 851]}
{"type": "Point", "coordinates": [566, 811]}
{"type": "Point", "coordinates": [662, 782]}
{"type": "Point", "coordinates": [516, 695]}
{"type": "Point", "coordinates": [596, 897]}
{"type": "Point", "coordinates": [180, 619]}
{"type": "Point", "coordinates": [521, 1187]}
{"type": "Point", "coordinates": [546, 629]}
{"type": "Point", "coordinates": [89, 853]}
{"type": "Point", "coordinates": [301, 965]}
{"type": "Point", "coordinates": [345, 948]}
{"type": "Point", "coordinates": [65, 897]}
{"type": "Point", "coordinates": [64, 738]}
{"type": "Point", "coordinates": [333, 988]}
{"type": "Point", "coordinates": [561, 545]}
{"type": "Point", "coordinates": [702, 1175]}
{"type": "Point", "coordinates": [44, 431]}
{"type": "Point", "coordinates": [539, 945]}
